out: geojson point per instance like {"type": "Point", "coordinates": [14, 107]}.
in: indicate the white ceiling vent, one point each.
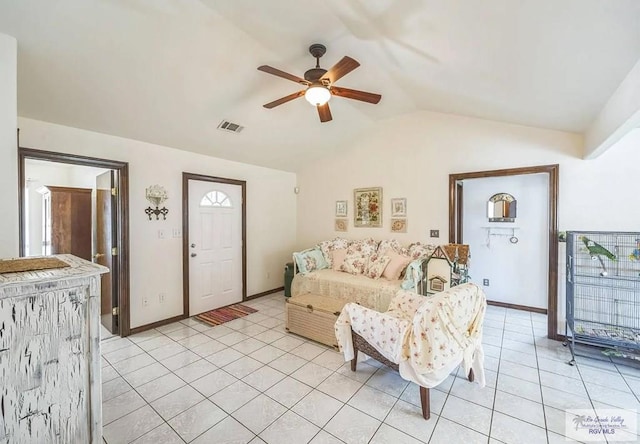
{"type": "Point", "coordinates": [225, 125]}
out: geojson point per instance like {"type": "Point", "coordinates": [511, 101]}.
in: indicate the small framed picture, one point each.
{"type": "Point", "coordinates": [399, 207]}
{"type": "Point", "coordinates": [341, 224]}
{"type": "Point", "coordinates": [341, 208]}
{"type": "Point", "coordinates": [398, 225]}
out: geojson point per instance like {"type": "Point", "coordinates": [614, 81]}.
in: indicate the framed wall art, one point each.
{"type": "Point", "coordinates": [341, 224]}
{"type": "Point", "coordinates": [341, 208]}
{"type": "Point", "coordinates": [398, 225]}
{"type": "Point", "coordinates": [399, 207]}
{"type": "Point", "coordinates": [367, 207]}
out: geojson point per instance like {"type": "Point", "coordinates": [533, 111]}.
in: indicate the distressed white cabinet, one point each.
{"type": "Point", "coordinates": [50, 389]}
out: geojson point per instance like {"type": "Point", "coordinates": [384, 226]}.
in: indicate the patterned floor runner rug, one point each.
{"type": "Point", "coordinates": [225, 314]}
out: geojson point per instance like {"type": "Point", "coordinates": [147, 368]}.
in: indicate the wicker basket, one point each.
{"type": "Point", "coordinates": [314, 317]}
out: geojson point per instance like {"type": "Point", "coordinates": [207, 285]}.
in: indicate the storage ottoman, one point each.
{"type": "Point", "coordinates": [314, 316]}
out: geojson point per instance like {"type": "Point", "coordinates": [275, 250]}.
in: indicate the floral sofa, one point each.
{"type": "Point", "coordinates": [364, 271]}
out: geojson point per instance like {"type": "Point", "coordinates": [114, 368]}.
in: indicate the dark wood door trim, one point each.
{"type": "Point", "coordinates": [122, 241]}
{"type": "Point", "coordinates": [553, 172]}
{"type": "Point", "coordinates": [186, 177]}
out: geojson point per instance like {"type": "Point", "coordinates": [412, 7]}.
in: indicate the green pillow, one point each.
{"type": "Point", "coordinates": [310, 260]}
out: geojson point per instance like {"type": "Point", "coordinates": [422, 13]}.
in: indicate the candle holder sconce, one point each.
{"type": "Point", "coordinates": [156, 195]}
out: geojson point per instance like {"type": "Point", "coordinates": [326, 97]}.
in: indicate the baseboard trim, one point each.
{"type": "Point", "coordinates": [264, 293]}
{"type": "Point", "coordinates": [518, 307]}
{"type": "Point", "coordinates": [181, 317]}
{"type": "Point", "coordinates": [157, 324]}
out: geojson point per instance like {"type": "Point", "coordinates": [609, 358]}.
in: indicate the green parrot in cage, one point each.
{"type": "Point", "coordinates": [597, 251]}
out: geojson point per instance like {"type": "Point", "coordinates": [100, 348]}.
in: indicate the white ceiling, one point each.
{"type": "Point", "coordinates": [168, 71]}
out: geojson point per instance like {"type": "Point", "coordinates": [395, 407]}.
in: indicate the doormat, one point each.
{"type": "Point", "coordinates": [30, 264]}
{"type": "Point", "coordinates": [225, 314]}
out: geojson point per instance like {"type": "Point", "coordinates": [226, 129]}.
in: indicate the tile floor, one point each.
{"type": "Point", "coordinates": [248, 381]}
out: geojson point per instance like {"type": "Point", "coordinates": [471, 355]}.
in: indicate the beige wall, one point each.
{"type": "Point", "coordinates": [156, 264]}
{"type": "Point", "coordinates": [8, 151]}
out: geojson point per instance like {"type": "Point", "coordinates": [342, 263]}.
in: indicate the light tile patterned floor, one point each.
{"type": "Point", "coordinates": [248, 381]}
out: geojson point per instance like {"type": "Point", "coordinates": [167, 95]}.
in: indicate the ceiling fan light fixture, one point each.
{"type": "Point", "coordinates": [317, 94]}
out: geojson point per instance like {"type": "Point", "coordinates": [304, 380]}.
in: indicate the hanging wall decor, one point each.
{"type": "Point", "coordinates": [341, 208]}
{"type": "Point", "coordinates": [398, 225]}
{"type": "Point", "coordinates": [367, 207]}
{"type": "Point", "coordinates": [399, 207]}
{"type": "Point", "coordinates": [156, 195]}
{"type": "Point", "coordinates": [502, 207]}
{"type": "Point", "coordinates": [341, 224]}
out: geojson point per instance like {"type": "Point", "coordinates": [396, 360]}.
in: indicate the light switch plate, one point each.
{"type": "Point", "coordinates": [434, 233]}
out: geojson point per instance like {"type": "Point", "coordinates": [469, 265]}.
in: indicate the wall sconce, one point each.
{"type": "Point", "coordinates": [156, 195]}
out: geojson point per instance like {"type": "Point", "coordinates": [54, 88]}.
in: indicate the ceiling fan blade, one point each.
{"type": "Point", "coordinates": [341, 69]}
{"type": "Point", "coordinates": [324, 112]}
{"type": "Point", "coordinates": [284, 75]}
{"type": "Point", "coordinates": [284, 99]}
{"type": "Point", "coordinates": [355, 94]}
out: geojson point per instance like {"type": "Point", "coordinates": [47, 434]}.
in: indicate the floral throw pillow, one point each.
{"type": "Point", "coordinates": [310, 260]}
{"type": "Point", "coordinates": [376, 266]}
{"type": "Point", "coordinates": [327, 248]}
{"type": "Point", "coordinates": [419, 251]}
{"type": "Point", "coordinates": [365, 247]}
{"type": "Point", "coordinates": [354, 264]}
{"type": "Point", "coordinates": [388, 245]}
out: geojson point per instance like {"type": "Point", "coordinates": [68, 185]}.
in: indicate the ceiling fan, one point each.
{"type": "Point", "coordinates": [320, 84]}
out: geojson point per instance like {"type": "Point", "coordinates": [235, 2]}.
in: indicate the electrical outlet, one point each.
{"type": "Point", "coordinates": [145, 302]}
{"type": "Point", "coordinates": [434, 233]}
{"type": "Point", "coordinates": [162, 297]}
{"type": "Point", "coordinates": [485, 282]}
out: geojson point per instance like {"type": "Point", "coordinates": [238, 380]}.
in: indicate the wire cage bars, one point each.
{"type": "Point", "coordinates": [603, 291]}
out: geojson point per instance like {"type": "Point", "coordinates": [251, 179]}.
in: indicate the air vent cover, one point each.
{"type": "Point", "coordinates": [225, 125]}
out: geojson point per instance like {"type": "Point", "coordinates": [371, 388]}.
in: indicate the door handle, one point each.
{"type": "Point", "coordinates": [193, 255]}
{"type": "Point", "coordinates": [98, 255]}
{"type": "Point", "coordinates": [193, 245]}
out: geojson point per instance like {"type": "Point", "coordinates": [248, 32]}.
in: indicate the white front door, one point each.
{"type": "Point", "coordinates": [215, 245]}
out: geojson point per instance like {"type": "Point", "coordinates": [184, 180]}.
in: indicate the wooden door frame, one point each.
{"type": "Point", "coordinates": [122, 241]}
{"type": "Point", "coordinates": [186, 177]}
{"type": "Point", "coordinates": [553, 172]}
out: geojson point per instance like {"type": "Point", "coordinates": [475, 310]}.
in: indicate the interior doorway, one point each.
{"type": "Point", "coordinates": [108, 222]}
{"type": "Point", "coordinates": [214, 249]}
{"type": "Point", "coordinates": [456, 227]}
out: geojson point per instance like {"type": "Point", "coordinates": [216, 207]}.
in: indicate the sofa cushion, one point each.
{"type": "Point", "coordinates": [391, 245]}
{"type": "Point", "coordinates": [395, 267]}
{"type": "Point", "coordinates": [365, 247]}
{"type": "Point", "coordinates": [355, 263]}
{"type": "Point", "coordinates": [376, 266]}
{"type": "Point", "coordinates": [327, 247]}
{"type": "Point", "coordinates": [337, 258]}
{"type": "Point", "coordinates": [420, 251]}
{"type": "Point", "coordinates": [310, 260]}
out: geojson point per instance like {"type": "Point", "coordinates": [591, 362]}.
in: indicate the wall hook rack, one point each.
{"type": "Point", "coordinates": [157, 211]}
{"type": "Point", "coordinates": [156, 195]}
{"type": "Point", "coordinates": [509, 232]}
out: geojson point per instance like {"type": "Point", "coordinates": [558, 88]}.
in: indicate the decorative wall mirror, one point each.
{"type": "Point", "coordinates": [501, 208]}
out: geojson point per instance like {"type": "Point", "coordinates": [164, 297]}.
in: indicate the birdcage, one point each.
{"type": "Point", "coordinates": [603, 291]}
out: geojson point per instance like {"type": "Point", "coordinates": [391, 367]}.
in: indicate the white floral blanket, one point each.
{"type": "Point", "coordinates": [372, 293]}
{"type": "Point", "coordinates": [427, 336]}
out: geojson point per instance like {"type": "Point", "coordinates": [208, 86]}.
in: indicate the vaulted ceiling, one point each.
{"type": "Point", "coordinates": [168, 71]}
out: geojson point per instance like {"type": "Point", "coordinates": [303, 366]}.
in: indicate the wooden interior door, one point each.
{"type": "Point", "coordinates": [69, 217]}
{"type": "Point", "coordinates": [106, 234]}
